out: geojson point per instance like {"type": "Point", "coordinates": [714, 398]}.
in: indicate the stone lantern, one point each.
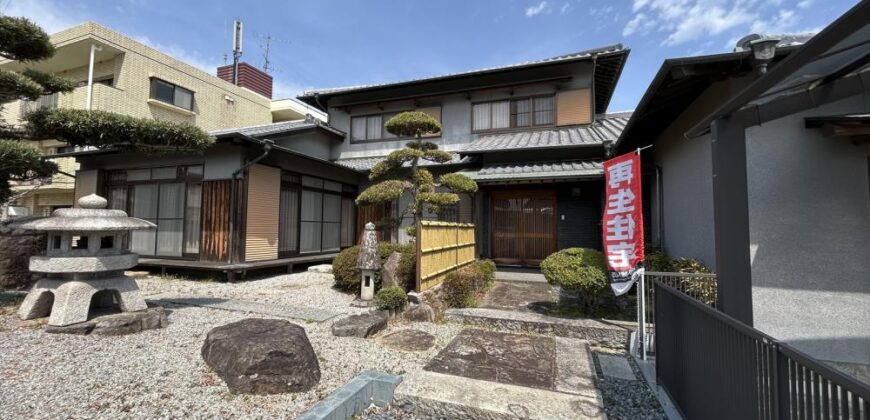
{"type": "Point", "coordinates": [368, 262]}
{"type": "Point", "coordinates": [86, 254]}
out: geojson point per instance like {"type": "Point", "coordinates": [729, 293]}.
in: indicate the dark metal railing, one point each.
{"type": "Point", "coordinates": [701, 286]}
{"type": "Point", "coordinates": [715, 367]}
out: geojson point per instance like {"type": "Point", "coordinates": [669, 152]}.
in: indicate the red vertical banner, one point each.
{"type": "Point", "coordinates": [623, 221]}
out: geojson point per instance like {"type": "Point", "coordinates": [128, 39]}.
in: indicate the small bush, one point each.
{"type": "Point", "coordinates": [688, 265]}
{"type": "Point", "coordinates": [582, 271]}
{"type": "Point", "coordinates": [347, 276]}
{"type": "Point", "coordinates": [655, 259]}
{"type": "Point", "coordinates": [391, 298]}
{"type": "Point", "coordinates": [461, 287]}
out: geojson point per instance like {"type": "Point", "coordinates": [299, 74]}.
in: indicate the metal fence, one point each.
{"type": "Point", "coordinates": [701, 286]}
{"type": "Point", "coordinates": [715, 367]}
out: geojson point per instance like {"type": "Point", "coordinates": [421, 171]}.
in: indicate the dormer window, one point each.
{"type": "Point", "coordinates": [169, 93]}
{"type": "Point", "coordinates": [513, 113]}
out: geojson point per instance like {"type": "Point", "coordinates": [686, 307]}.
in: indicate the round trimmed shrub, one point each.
{"type": "Point", "coordinates": [459, 288]}
{"type": "Point", "coordinates": [582, 271]}
{"type": "Point", "coordinates": [391, 298]}
{"type": "Point", "coordinates": [347, 276]}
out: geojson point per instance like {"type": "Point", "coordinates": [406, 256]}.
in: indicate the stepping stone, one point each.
{"type": "Point", "coordinates": [518, 296]}
{"type": "Point", "coordinates": [262, 308]}
{"type": "Point", "coordinates": [361, 326]}
{"type": "Point", "coordinates": [116, 324]}
{"type": "Point", "coordinates": [408, 340]}
{"type": "Point", "coordinates": [516, 359]}
{"type": "Point", "coordinates": [616, 367]}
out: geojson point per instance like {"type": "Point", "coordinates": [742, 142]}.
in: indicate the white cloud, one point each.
{"type": "Point", "coordinates": [51, 17]}
{"type": "Point", "coordinates": [683, 21]}
{"type": "Point", "coordinates": [805, 4]}
{"type": "Point", "coordinates": [537, 9]}
{"type": "Point", "coordinates": [282, 89]}
{"type": "Point", "coordinates": [565, 8]}
{"type": "Point", "coordinates": [194, 58]}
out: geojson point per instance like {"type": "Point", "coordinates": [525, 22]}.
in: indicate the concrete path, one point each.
{"type": "Point", "coordinates": [519, 295]}
{"type": "Point", "coordinates": [616, 367]}
{"type": "Point", "coordinates": [532, 275]}
{"type": "Point", "coordinates": [300, 313]}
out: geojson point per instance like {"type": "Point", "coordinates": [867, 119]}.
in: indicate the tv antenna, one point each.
{"type": "Point", "coordinates": [237, 49]}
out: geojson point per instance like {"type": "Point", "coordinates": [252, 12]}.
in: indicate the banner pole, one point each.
{"type": "Point", "coordinates": [642, 290]}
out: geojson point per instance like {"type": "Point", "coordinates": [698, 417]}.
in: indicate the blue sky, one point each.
{"type": "Point", "coordinates": [332, 43]}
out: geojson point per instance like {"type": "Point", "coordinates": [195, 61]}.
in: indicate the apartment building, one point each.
{"type": "Point", "coordinates": [134, 79]}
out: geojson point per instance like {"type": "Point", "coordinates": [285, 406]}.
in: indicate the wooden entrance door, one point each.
{"type": "Point", "coordinates": [523, 226]}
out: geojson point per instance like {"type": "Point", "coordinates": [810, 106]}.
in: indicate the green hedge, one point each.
{"type": "Point", "coordinates": [461, 287]}
{"type": "Point", "coordinates": [347, 276]}
{"type": "Point", "coordinates": [391, 298]}
{"type": "Point", "coordinates": [582, 271]}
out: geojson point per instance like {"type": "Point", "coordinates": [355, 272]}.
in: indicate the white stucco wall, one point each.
{"type": "Point", "coordinates": [809, 215]}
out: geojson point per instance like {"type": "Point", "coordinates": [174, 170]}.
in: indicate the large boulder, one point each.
{"type": "Point", "coordinates": [390, 272]}
{"type": "Point", "coordinates": [362, 325]}
{"type": "Point", "coordinates": [419, 313]}
{"type": "Point", "coordinates": [262, 356]}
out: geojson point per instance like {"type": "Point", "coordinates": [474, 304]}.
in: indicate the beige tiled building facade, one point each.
{"type": "Point", "coordinates": [134, 79]}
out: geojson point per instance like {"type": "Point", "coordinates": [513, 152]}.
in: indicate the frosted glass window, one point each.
{"type": "Point", "coordinates": [522, 113]}
{"type": "Point", "coordinates": [312, 206]}
{"type": "Point", "coordinates": [331, 236]}
{"type": "Point", "coordinates": [481, 116]}
{"type": "Point", "coordinates": [184, 98]}
{"type": "Point", "coordinates": [309, 238]}
{"type": "Point", "coordinates": [501, 114]}
{"type": "Point", "coordinates": [331, 208]}
{"type": "Point", "coordinates": [144, 206]}
{"type": "Point", "coordinates": [544, 111]}
{"type": "Point", "coordinates": [332, 186]}
{"type": "Point", "coordinates": [164, 173]}
{"type": "Point", "coordinates": [373, 127]}
{"type": "Point", "coordinates": [312, 182]}
{"type": "Point", "coordinates": [139, 175]}
{"type": "Point", "coordinates": [387, 134]}
{"type": "Point", "coordinates": [170, 219]}
{"type": "Point", "coordinates": [358, 128]}
{"type": "Point", "coordinates": [169, 237]}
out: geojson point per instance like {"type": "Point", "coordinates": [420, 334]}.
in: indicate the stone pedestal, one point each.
{"type": "Point", "coordinates": [72, 298]}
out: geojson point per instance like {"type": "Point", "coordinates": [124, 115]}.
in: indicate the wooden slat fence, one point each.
{"type": "Point", "coordinates": [441, 248]}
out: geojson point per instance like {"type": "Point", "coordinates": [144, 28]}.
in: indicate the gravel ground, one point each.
{"type": "Point", "coordinates": [627, 399]}
{"type": "Point", "coordinates": [160, 374]}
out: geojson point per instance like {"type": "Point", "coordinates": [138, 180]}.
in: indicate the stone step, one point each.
{"type": "Point", "coordinates": [436, 395]}
{"type": "Point", "coordinates": [595, 332]}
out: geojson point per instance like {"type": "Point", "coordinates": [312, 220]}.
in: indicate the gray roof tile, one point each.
{"type": "Point", "coordinates": [605, 128]}
{"type": "Point", "coordinates": [366, 163]}
{"type": "Point", "coordinates": [536, 170]}
{"type": "Point", "coordinates": [276, 128]}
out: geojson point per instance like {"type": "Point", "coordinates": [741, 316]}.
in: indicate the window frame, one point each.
{"type": "Point", "coordinates": [384, 119]}
{"type": "Point", "coordinates": [512, 113]}
{"type": "Point", "coordinates": [347, 191]}
{"type": "Point", "coordinates": [153, 90]}
{"type": "Point", "coordinates": [182, 176]}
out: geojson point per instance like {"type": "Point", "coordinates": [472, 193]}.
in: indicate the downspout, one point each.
{"type": "Point", "coordinates": [660, 210]}
{"type": "Point", "coordinates": [89, 100]}
{"type": "Point", "coordinates": [267, 147]}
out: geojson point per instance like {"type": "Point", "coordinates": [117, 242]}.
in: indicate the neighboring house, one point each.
{"type": "Point", "coordinates": [765, 178]}
{"type": "Point", "coordinates": [533, 135]}
{"type": "Point", "coordinates": [134, 79]}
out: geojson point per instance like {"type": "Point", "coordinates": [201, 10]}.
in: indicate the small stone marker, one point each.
{"type": "Point", "coordinates": [262, 356]}
{"type": "Point", "coordinates": [362, 325]}
{"type": "Point", "coordinates": [616, 367]}
{"type": "Point", "coordinates": [408, 340]}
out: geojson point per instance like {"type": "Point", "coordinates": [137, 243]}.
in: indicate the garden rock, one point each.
{"type": "Point", "coordinates": [408, 340]}
{"type": "Point", "coordinates": [389, 273]}
{"type": "Point", "coordinates": [414, 297]}
{"type": "Point", "coordinates": [262, 356]}
{"type": "Point", "coordinates": [420, 313]}
{"type": "Point", "coordinates": [321, 269]}
{"type": "Point", "coordinates": [363, 325]}
{"type": "Point", "coordinates": [116, 324]}
{"type": "Point", "coordinates": [16, 248]}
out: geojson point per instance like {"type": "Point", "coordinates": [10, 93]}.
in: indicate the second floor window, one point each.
{"type": "Point", "coordinates": [372, 127]}
{"type": "Point", "coordinates": [171, 94]}
{"type": "Point", "coordinates": [513, 113]}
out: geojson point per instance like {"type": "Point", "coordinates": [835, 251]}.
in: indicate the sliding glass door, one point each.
{"type": "Point", "coordinates": [171, 198]}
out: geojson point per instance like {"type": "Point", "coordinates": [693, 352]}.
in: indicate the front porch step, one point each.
{"type": "Point", "coordinates": [595, 332]}
{"type": "Point", "coordinates": [436, 395]}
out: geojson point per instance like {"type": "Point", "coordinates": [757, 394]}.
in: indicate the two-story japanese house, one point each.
{"type": "Point", "coordinates": [533, 136]}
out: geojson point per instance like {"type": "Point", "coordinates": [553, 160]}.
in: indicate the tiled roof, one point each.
{"type": "Point", "coordinates": [605, 128]}
{"type": "Point", "coordinates": [366, 163]}
{"type": "Point", "coordinates": [537, 170]}
{"type": "Point", "coordinates": [566, 57]}
{"type": "Point", "coordinates": [276, 128]}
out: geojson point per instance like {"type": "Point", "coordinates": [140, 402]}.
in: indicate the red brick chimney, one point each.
{"type": "Point", "coordinates": [249, 77]}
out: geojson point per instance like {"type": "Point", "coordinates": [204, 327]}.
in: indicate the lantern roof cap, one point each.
{"type": "Point", "coordinates": [91, 216]}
